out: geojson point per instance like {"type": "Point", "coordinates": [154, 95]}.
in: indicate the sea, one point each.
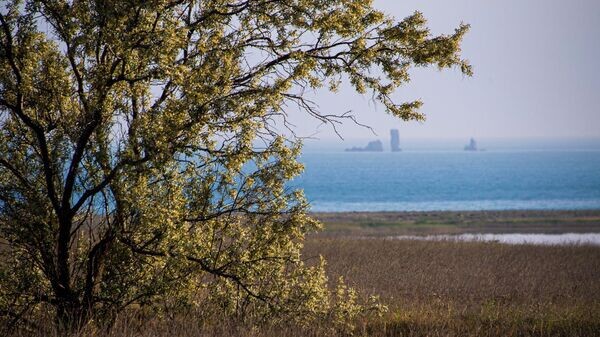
{"type": "Point", "coordinates": [516, 177]}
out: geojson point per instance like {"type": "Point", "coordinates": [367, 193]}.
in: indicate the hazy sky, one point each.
{"type": "Point", "coordinates": [537, 74]}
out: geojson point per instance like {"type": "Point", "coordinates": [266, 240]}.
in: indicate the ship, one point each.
{"type": "Point", "coordinates": [472, 146]}
{"type": "Point", "coordinates": [395, 140]}
{"type": "Point", "coordinates": [374, 146]}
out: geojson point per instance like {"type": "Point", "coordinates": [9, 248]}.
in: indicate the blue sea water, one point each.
{"type": "Point", "coordinates": [446, 180]}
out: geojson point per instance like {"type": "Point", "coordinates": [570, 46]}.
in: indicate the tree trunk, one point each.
{"type": "Point", "coordinates": [71, 315]}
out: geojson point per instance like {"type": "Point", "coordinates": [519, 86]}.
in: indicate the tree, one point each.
{"type": "Point", "coordinates": [141, 151]}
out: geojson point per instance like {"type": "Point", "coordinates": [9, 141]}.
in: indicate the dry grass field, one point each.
{"type": "Point", "coordinates": [438, 288]}
{"type": "Point", "coordinates": [471, 289]}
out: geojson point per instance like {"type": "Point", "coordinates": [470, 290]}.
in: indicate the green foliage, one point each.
{"type": "Point", "coordinates": [140, 157]}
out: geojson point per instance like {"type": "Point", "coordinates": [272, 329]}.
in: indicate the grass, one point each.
{"type": "Point", "coordinates": [399, 223]}
{"type": "Point", "coordinates": [472, 289]}
{"type": "Point", "coordinates": [438, 288]}
{"type": "Point", "coordinates": [464, 272]}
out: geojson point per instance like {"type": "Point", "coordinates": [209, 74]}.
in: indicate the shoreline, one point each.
{"type": "Point", "coordinates": [458, 222]}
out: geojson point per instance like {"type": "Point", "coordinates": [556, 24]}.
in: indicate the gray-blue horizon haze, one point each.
{"type": "Point", "coordinates": [536, 77]}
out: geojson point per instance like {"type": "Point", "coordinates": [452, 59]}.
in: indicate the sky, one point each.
{"type": "Point", "coordinates": [537, 75]}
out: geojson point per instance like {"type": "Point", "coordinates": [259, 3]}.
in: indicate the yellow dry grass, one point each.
{"type": "Point", "coordinates": [431, 289]}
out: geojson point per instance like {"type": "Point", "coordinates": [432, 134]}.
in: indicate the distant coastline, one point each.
{"type": "Point", "coordinates": [457, 144]}
{"type": "Point", "coordinates": [458, 222]}
{"type": "Point", "coordinates": [457, 206]}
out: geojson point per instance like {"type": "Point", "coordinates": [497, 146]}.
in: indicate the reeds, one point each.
{"type": "Point", "coordinates": [431, 289]}
{"type": "Point", "coordinates": [471, 288]}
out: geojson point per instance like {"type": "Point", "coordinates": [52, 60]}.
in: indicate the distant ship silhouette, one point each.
{"type": "Point", "coordinates": [472, 146]}
{"type": "Point", "coordinates": [374, 146]}
{"type": "Point", "coordinates": [377, 145]}
{"type": "Point", "coordinates": [395, 140]}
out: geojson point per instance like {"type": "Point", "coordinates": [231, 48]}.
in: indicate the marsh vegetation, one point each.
{"type": "Point", "coordinates": [429, 288]}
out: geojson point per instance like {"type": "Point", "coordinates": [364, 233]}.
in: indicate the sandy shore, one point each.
{"type": "Point", "coordinates": [443, 222]}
